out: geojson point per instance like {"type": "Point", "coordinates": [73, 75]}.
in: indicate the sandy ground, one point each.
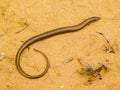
{"type": "Point", "coordinates": [22, 19]}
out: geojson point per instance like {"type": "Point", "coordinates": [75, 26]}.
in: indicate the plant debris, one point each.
{"type": "Point", "coordinates": [92, 71]}
{"type": "Point", "coordinates": [24, 24]}
{"type": "Point", "coordinates": [68, 60]}
{"type": "Point", "coordinates": [108, 48]}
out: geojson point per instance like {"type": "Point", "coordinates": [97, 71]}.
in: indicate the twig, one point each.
{"type": "Point", "coordinates": [66, 61]}
{"type": "Point", "coordinates": [84, 64]}
{"type": "Point", "coordinates": [108, 49]}
{"type": "Point", "coordinates": [23, 28]}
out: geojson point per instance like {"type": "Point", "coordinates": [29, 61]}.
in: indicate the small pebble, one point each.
{"type": "Point", "coordinates": [62, 86]}
{"type": "Point", "coordinates": [2, 55]}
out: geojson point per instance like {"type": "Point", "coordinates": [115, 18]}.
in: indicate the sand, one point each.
{"type": "Point", "coordinates": [22, 19]}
